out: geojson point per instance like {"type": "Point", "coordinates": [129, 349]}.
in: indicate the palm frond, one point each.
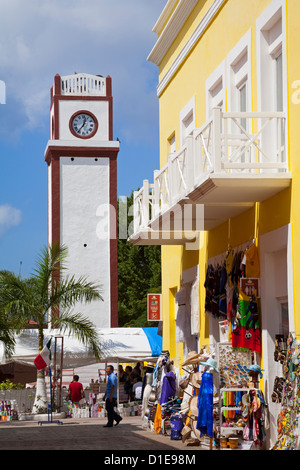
{"type": "Point", "coordinates": [45, 292]}
{"type": "Point", "coordinates": [50, 263]}
{"type": "Point", "coordinates": [67, 292]}
{"type": "Point", "coordinates": [7, 335]}
{"type": "Point", "coordinates": [83, 329]}
{"type": "Point", "coordinates": [20, 299]}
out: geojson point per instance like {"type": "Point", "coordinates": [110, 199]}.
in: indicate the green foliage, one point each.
{"type": "Point", "coordinates": [45, 292]}
{"type": "Point", "coordinates": [139, 274]}
{"type": "Point", "coordinates": [8, 385]}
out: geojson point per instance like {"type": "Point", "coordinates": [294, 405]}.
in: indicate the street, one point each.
{"type": "Point", "coordinates": [86, 434]}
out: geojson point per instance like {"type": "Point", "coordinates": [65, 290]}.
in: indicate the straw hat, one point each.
{"type": "Point", "coordinates": [196, 431]}
{"type": "Point", "coordinates": [184, 382]}
{"type": "Point", "coordinates": [186, 432]}
{"type": "Point", "coordinates": [192, 359]}
{"type": "Point", "coordinates": [196, 379]}
{"type": "Point", "coordinates": [193, 406]}
{"type": "Point", "coordinates": [185, 406]}
{"type": "Point", "coordinates": [150, 365]}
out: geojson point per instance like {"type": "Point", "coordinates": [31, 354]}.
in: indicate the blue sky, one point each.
{"type": "Point", "coordinates": [39, 38]}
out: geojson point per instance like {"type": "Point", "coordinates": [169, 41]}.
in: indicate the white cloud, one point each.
{"type": "Point", "coordinates": [9, 217]}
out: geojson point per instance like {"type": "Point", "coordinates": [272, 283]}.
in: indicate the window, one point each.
{"type": "Point", "coordinates": [171, 144]}
{"type": "Point", "coordinates": [215, 90]}
{"type": "Point", "coordinates": [279, 82]}
{"type": "Point", "coordinates": [284, 319]}
{"type": "Point", "coordinates": [271, 40]}
{"type": "Point", "coordinates": [239, 80]}
{"type": "Point", "coordinates": [272, 73]}
{"type": "Point", "coordinates": [243, 97]}
{"type": "Point", "coordinates": [187, 121]}
{"type": "Point", "coordinates": [239, 88]}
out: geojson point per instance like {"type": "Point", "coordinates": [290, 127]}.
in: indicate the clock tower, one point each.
{"type": "Point", "coordinates": [82, 186]}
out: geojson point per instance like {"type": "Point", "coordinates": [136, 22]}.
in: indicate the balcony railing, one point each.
{"type": "Point", "coordinates": [83, 84]}
{"type": "Point", "coordinates": [228, 145]}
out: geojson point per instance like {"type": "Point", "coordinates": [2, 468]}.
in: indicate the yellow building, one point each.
{"type": "Point", "coordinates": [229, 112]}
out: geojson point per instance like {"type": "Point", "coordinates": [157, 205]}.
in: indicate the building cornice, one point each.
{"type": "Point", "coordinates": [171, 30]}
{"type": "Point", "coordinates": [202, 26]}
{"type": "Point", "coordinates": [162, 20]}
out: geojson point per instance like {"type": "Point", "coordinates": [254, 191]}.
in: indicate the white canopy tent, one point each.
{"type": "Point", "coordinates": [131, 344]}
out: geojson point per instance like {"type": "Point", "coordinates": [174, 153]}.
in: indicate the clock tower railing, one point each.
{"type": "Point", "coordinates": [83, 84]}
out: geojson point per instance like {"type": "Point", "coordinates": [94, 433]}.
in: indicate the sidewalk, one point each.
{"type": "Point", "coordinates": [86, 434]}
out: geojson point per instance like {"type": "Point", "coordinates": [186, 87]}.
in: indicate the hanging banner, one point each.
{"type": "Point", "coordinates": [250, 286]}
{"type": "Point", "coordinates": [154, 310]}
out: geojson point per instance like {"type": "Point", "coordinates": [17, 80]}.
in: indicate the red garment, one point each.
{"type": "Point", "coordinates": [75, 389]}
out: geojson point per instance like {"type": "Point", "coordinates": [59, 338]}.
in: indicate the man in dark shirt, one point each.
{"type": "Point", "coordinates": [75, 393]}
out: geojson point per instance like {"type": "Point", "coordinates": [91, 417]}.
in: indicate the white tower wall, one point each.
{"type": "Point", "coordinates": [89, 255]}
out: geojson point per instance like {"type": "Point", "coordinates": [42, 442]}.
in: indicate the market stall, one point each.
{"type": "Point", "coordinates": [129, 342]}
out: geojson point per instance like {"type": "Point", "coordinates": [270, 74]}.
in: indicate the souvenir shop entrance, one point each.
{"type": "Point", "coordinates": [250, 320]}
{"type": "Point", "coordinates": [277, 312]}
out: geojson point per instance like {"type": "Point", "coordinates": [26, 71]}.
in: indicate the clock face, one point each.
{"type": "Point", "coordinates": [83, 125]}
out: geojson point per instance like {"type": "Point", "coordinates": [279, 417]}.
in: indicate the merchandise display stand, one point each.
{"type": "Point", "coordinates": [231, 428]}
{"type": "Point", "coordinates": [233, 378]}
{"type": "Point", "coordinates": [288, 395]}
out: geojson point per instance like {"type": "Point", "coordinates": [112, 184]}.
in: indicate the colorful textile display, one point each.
{"type": "Point", "coordinates": [157, 419]}
{"type": "Point", "coordinates": [246, 330]}
{"type": "Point", "coordinates": [205, 405]}
{"type": "Point", "coordinates": [215, 285]}
{"type": "Point", "coordinates": [168, 389]}
{"type": "Point", "coordinates": [288, 418]}
{"type": "Point", "coordinates": [252, 262]}
{"type": "Point", "coordinates": [254, 411]}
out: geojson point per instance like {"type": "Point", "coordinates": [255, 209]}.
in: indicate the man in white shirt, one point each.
{"type": "Point", "coordinates": [137, 388]}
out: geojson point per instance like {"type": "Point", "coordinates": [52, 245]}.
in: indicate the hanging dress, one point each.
{"type": "Point", "coordinates": [168, 388]}
{"type": "Point", "coordinates": [205, 405]}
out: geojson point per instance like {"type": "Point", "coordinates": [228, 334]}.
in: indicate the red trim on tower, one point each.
{"type": "Point", "coordinates": [55, 185]}
{"type": "Point", "coordinates": [54, 151]}
{"type": "Point", "coordinates": [113, 243]}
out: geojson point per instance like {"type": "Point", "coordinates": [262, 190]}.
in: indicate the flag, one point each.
{"type": "Point", "coordinates": [42, 360]}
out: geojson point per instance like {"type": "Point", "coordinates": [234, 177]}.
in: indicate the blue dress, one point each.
{"type": "Point", "coordinates": [205, 405]}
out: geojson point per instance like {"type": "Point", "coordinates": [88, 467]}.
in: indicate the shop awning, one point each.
{"type": "Point", "coordinates": [132, 343]}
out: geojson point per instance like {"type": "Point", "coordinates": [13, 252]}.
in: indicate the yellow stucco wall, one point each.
{"type": "Point", "coordinates": [283, 208]}
{"type": "Point", "coordinates": [293, 20]}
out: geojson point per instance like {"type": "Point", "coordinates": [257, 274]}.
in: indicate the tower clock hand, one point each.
{"type": "Point", "coordinates": [82, 125]}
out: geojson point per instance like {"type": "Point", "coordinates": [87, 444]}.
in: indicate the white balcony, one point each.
{"type": "Point", "coordinates": [233, 161]}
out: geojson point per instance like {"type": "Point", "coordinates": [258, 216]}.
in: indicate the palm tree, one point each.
{"type": "Point", "coordinates": [48, 296]}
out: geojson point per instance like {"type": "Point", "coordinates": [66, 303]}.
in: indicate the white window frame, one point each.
{"type": "Point", "coordinates": [268, 49]}
{"type": "Point", "coordinates": [267, 53]}
{"type": "Point", "coordinates": [237, 79]}
{"type": "Point", "coordinates": [213, 82]}
{"type": "Point", "coordinates": [172, 143]}
{"type": "Point", "coordinates": [187, 114]}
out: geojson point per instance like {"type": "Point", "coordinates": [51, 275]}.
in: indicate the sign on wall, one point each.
{"type": "Point", "coordinates": [154, 308]}
{"type": "Point", "coordinates": [250, 286]}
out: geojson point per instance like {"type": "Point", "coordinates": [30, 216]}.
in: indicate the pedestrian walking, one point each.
{"type": "Point", "coordinates": [111, 397]}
